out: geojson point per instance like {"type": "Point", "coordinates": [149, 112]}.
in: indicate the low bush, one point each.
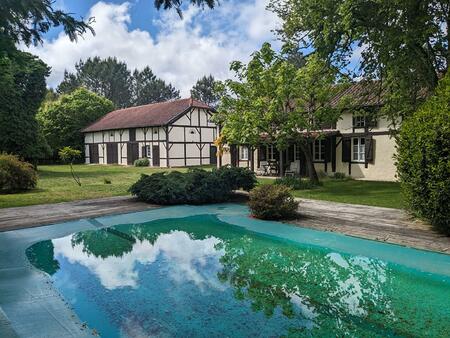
{"type": "Point", "coordinates": [272, 202]}
{"type": "Point", "coordinates": [16, 175]}
{"type": "Point", "coordinates": [296, 183]}
{"type": "Point", "coordinates": [423, 166]}
{"type": "Point", "coordinates": [142, 162]}
{"type": "Point", "coordinates": [339, 176]}
{"type": "Point", "coordinates": [196, 186]}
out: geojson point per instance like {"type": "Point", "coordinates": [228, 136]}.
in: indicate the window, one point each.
{"type": "Point", "coordinates": [297, 151]}
{"type": "Point", "coordinates": [270, 153]}
{"type": "Point", "coordinates": [148, 151]}
{"type": "Point", "coordinates": [319, 150]}
{"type": "Point", "coordinates": [359, 149]}
{"type": "Point", "coordinates": [359, 121]}
{"type": "Point", "coordinates": [243, 153]}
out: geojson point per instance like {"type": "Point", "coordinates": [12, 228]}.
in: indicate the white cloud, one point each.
{"type": "Point", "coordinates": [182, 51]}
{"type": "Point", "coordinates": [185, 259]}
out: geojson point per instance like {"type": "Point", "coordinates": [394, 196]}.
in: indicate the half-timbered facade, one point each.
{"type": "Point", "coordinates": [170, 134]}
{"type": "Point", "coordinates": [356, 146]}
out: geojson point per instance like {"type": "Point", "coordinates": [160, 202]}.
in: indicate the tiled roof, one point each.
{"type": "Point", "coordinates": [361, 94]}
{"type": "Point", "coordinates": [155, 114]}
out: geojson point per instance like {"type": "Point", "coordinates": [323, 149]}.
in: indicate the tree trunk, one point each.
{"type": "Point", "coordinates": [312, 173]}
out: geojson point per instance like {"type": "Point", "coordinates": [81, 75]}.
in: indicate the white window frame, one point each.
{"type": "Point", "coordinates": [243, 153]}
{"type": "Point", "coordinates": [360, 121]}
{"type": "Point", "coordinates": [358, 149]}
{"type": "Point", "coordinates": [319, 155]}
{"type": "Point", "coordinates": [270, 153]}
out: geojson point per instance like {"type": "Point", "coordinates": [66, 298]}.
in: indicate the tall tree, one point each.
{"type": "Point", "coordinates": [274, 101]}
{"type": "Point", "coordinates": [147, 88]}
{"type": "Point", "coordinates": [106, 77]}
{"type": "Point", "coordinates": [403, 43]}
{"type": "Point", "coordinates": [61, 120]}
{"type": "Point", "coordinates": [22, 89]}
{"type": "Point", "coordinates": [205, 90]}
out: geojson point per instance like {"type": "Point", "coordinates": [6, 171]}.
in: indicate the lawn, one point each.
{"type": "Point", "coordinates": [380, 194]}
{"type": "Point", "coordinates": [56, 185]}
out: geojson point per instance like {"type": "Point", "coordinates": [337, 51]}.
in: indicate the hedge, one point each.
{"type": "Point", "coordinates": [423, 162]}
{"type": "Point", "coordinates": [196, 186]}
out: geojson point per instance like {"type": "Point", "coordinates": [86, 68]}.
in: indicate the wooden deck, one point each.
{"type": "Point", "coordinates": [382, 224]}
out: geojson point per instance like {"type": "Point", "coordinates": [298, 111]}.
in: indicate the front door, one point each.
{"type": "Point", "coordinates": [155, 158]}
{"type": "Point", "coordinates": [132, 152]}
{"type": "Point", "coordinates": [213, 155]}
{"type": "Point", "coordinates": [93, 153]}
{"type": "Point", "coordinates": [111, 153]}
{"type": "Point", "coordinates": [234, 155]}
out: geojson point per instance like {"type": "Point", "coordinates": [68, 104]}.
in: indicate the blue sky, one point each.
{"type": "Point", "coordinates": [179, 51]}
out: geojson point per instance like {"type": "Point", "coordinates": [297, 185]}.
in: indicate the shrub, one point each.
{"type": "Point", "coordinates": [423, 164]}
{"type": "Point", "coordinates": [339, 176]}
{"type": "Point", "coordinates": [296, 183]}
{"type": "Point", "coordinates": [238, 178]}
{"type": "Point", "coordinates": [16, 175]}
{"type": "Point", "coordinates": [272, 201]}
{"type": "Point", "coordinates": [196, 186]}
{"type": "Point", "coordinates": [142, 162]}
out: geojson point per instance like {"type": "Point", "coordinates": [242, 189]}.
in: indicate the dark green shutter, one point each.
{"type": "Point", "coordinates": [346, 150]}
{"type": "Point", "coordinates": [369, 149]}
{"type": "Point", "coordinates": [328, 144]}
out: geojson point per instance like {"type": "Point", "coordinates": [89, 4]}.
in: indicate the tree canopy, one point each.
{"type": "Point", "coordinates": [61, 120]}
{"type": "Point", "coordinates": [275, 101]}
{"type": "Point", "coordinates": [404, 44]}
{"type": "Point", "coordinates": [22, 89]}
{"type": "Point", "coordinates": [147, 88]}
{"type": "Point", "coordinates": [205, 90]}
{"type": "Point", "coordinates": [112, 79]}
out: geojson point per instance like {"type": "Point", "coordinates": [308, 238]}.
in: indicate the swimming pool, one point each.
{"type": "Point", "coordinates": [212, 271]}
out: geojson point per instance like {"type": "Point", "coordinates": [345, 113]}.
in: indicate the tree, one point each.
{"type": "Point", "coordinates": [404, 44]}
{"type": "Point", "coordinates": [205, 90]}
{"type": "Point", "coordinates": [423, 158]}
{"type": "Point", "coordinates": [274, 101]}
{"type": "Point", "coordinates": [108, 77]}
{"type": "Point", "coordinates": [147, 88]}
{"type": "Point", "coordinates": [70, 155]}
{"type": "Point", "coordinates": [167, 4]}
{"type": "Point", "coordinates": [22, 89]}
{"type": "Point", "coordinates": [27, 20]}
{"type": "Point", "coordinates": [61, 120]}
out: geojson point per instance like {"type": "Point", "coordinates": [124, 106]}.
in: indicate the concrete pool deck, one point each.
{"type": "Point", "coordinates": [382, 224]}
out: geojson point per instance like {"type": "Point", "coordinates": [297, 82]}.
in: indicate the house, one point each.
{"type": "Point", "coordinates": [170, 134]}
{"type": "Point", "coordinates": [357, 146]}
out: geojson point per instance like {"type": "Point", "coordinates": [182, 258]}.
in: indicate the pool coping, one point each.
{"type": "Point", "coordinates": [27, 298]}
{"type": "Point", "coordinates": [393, 226]}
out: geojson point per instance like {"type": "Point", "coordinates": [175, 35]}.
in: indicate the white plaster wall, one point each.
{"type": "Point", "coordinates": [86, 152]}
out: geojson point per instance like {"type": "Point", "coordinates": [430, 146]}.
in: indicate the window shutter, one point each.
{"type": "Point", "coordinates": [346, 149]}
{"type": "Point", "coordinates": [327, 154]}
{"type": "Point", "coordinates": [372, 122]}
{"type": "Point", "coordinates": [369, 149]}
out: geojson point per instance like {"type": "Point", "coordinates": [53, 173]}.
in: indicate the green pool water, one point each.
{"type": "Point", "coordinates": [199, 276]}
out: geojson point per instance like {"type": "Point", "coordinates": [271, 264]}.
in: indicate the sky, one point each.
{"type": "Point", "coordinates": [179, 51]}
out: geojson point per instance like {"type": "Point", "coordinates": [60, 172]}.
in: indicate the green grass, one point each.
{"type": "Point", "coordinates": [380, 194]}
{"type": "Point", "coordinates": [56, 184]}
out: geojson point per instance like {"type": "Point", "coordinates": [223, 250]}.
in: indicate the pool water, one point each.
{"type": "Point", "coordinates": [200, 276]}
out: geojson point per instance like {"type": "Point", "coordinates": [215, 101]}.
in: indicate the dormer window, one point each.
{"type": "Point", "coordinates": [359, 121]}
